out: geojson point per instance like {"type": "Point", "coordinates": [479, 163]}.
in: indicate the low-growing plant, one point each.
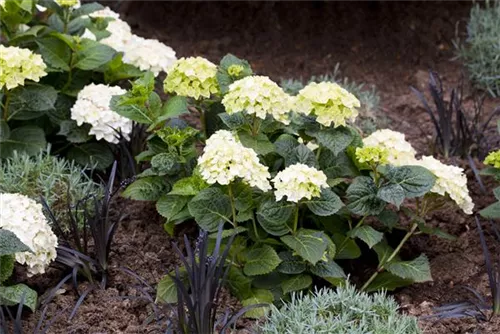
{"type": "Point", "coordinates": [479, 51]}
{"type": "Point", "coordinates": [57, 180]}
{"type": "Point", "coordinates": [342, 311]}
{"type": "Point", "coordinates": [288, 175]}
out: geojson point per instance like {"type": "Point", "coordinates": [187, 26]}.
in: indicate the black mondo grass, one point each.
{"type": "Point", "coordinates": [199, 290]}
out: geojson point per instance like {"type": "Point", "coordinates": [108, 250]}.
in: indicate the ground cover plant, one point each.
{"type": "Point", "coordinates": [287, 175]}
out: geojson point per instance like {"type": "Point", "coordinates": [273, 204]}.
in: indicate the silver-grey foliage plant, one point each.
{"type": "Point", "coordinates": [481, 50]}
{"type": "Point", "coordinates": [345, 310]}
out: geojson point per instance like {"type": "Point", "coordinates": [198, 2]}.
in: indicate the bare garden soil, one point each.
{"type": "Point", "coordinates": [388, 44]}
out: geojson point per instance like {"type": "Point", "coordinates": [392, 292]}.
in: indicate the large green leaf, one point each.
{"type": "Point", "coordinates": [174, 107]}
{"type": "Point", "coordinates": [491, 212]}
{"type": "Point", "coordinates": [4, 130]}
{"type": "Point", "coordinates": [257, 296]}
{"type": "Point", "coordinates": [170, 205]}
{"type": "Point", "coordinates": [346, 247]}
{"type": "Point", "coordinates": [362, 197]}
{"type": "Point", "coordinates": [13, 295]}
{"type": "Point", "coordinates": [210, 208]}
{"type": "Point", "coordinates": [416, 181]}
{"type": "Point", "coordinates": [86, 9]}
{"type": "Point", "coordinates": [55, 53]}
{"type": "Point", "coordinates": [337, 166]}
{"type": "Point", "coordinates": [296, 283]}
{"type": "Point", "coordinates": [130, 109]}
{"type": "Point", "coordinates": [334, 139]}
{"type": "Point", "coordinates": [189, 186]}
{"type": "Point", "coordinates": [92, 154]}
{"type": "Point", "coordinates": [10, 243]}
{"type": "Point", "coordinates": [368, 234]}
{"type": "Point", "coordinates": [233, 121]}
{"type": "Point", "coordinates": [285, 146]}
{"type": "Point", "coordinates": [417, 270]}
{"type": "Point", "coordinates": [92, 55]}
{"type": "Point", "coordinates": [325, 205]}
{"type": "Point", "coordinates": [384, 251]}
{"type": "Point", "coordinates": [6, 267]}
{"type": "Point", "coordinates": [26, 139]}
{"type": "Point", "coordinates": [225, 77]}
{"type": "Point", "coordinates": [261, 260]}
{"type": "Point", "coordinates": [259, 143]}
{"type": "Point", "coordinates": [149, 188]}
{"type": "Point", "coordinates": [291, 264]}
{"type": "Point", "coordinates": [387, 281]}
{"type": "Point", "coordinates": [166, 291]}
{"type": "Point", "coordinates": [328, 270]}
{"type": "Point", "coordinates": [308, 244]}
{"type": "Point", "coordinates": [303, 155]}
{"type": "Point", "coordinates": [273, 216]}
{"type": "Point", "coordinates": [239, 284]}
{"type": "Point", "coordinates": [31, 101]}
{"type": "Point", "coordinates": [74, 133]}
{"type": "Point", "coordinates": [392, 193]}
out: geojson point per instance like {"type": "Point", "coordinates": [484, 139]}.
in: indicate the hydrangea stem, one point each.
{"type": "Point", "coordinates": [231, 199]}
{"type": "Point", "coordinates": [6, 104]}
{"type": "Point", "coordinates": [203, 124]}
{"type": "Point", "coordinates": [381, 266]}
{"type": "Point", "coordinates": [296, 218]}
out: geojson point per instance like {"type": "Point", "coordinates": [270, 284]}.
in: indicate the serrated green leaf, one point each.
{"type": "Point", "coordinates": [296, 283]}
{"type": "Point", "coordinates": [303, 155]}
{"type": "Point", "coordinates": [166, 291]}
{"type": "Point", "coordinates": [417, 270]}
{"type": "Point", "coordinates": [416, 181]}
{"type": "Point", "coordinates": [389, 218]}
{"type": "Point", "coordinates": [368, 234]}
{"type": "Point", "coordinates": [260, 261]}
{"type": "Point", "coordinates": [149, 188]}
{"type": "Point", "coordinates": [328, 269]}
{"type": "Point", "coordinates": [325, 205]}
{"type": "Point", "coordinates": [55, 53]}
{"type": "Point", "coordinates": [74, 133]}
{"type": "Point", "coordinates": [347, 249]}
{"type": "Point", "coordinates": [335, 139]}
{"type": "Point", "coordinates": [228, 233]}
{"type": "Point", "coordinates": [233, 121]}
{"type": "Point", "coordinates": [337, 166]}
{"type": "Point", "coordinates": [13, 295]}
{"type": "Point", "coordinates": [291, 264]}
{"type": "Point", "coordinates": [86, 9]}
{"type": "Point", "coordinates": [10, 243]}
{"type": "Point", "coordinates": [260, 143]}
{"type": "Point", "coordinates": [491, 212]}
{"type": "Point", "coordinates": [28, 139]}
{"type": "Point", "coordinates": [392, 193]}
{"type": "Point", "coordinates": [6, 266]}
{"type": "Point", "coordinates": [384, 251]}
{"type": "Point", "coordinates": [387, 281]}
{"type": "Point", "coordinates": [239, 284]}
{"type": "Point", "coordinates": [92, 154]}
{"type": "Point", "coordinates": [285, 146]}
{"type": "Point", "coordinates": [189, 186]}
{"type": "Point", "coordinates": [174, 107]}
{"type": "Point", "coordinates": [170, 205]}
{"type": "Point", "coordinates": [257, 296]}
{"type": "Point", "coordinates": [308, 244]}
{"type": "Point", "coordinates": [31, 101]}
{"type": "Point", "coordinates": [224, 78]}
{"type": "Point", "coordinates": [165, 163]}
{"type": "Point", "coordinates": [273, 216]}
{"type": "Point", "coordinates": [362, 197]}
{"type": "Point", "coordinates": [210, 208]}
{"type": "Point", "coordinates": [92, 55]}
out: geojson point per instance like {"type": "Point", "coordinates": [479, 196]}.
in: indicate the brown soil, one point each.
{"type": "Point", "coordinates": [389, 44]}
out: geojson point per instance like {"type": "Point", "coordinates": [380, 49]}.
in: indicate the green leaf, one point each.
{"type": "Point", "coordinates": [416, 181]}
{"type": "Point", "coordinates": [417, 270]}
{"type": "Point", "coordinates": [26, 139]}
{"type": "Point", "coordinates": [296, 283]}
{"type": "Point", "coordinates": [165, 163]}
{"type": "Point", "coordinates": [210, 208]}
{"type": "Point", "coordinates": [166, 292]}
{"type": "Point", "coordinates": [491, 212]}
{"type": "Point", "coordinates": [170, 205]}
{"type": "Point", "coordinates": [189, 186]}
{"type": "Point", "coordinates": [387, 281]}
{"type": "Point", "coordinates": [362, 197]}
{"type": "Point", "coordinates": [392, 193]}
{"type": "Point", "coordinates": [92, 55]}
{"type": "Point", "coordinates": [435, 231]}
{"type": "Point", "coordinates": [308, 244]}
{"type": "Point", "coordinates": [27, 35]}
{"type": "Point", "coordinates": [337, 166]}
{"type": "Point", "coordinates": [10, 243]}
{"type": "Point", "coordinates": [146, 189]}
{"type": "Point", "coordinates": [55, 53]}
{"type": "Point", "coordinates": [243, 196]}
{"type": "Point", "coordinates": [4, 130]}
{"type": "Point", "coordinates": [325, 205]}
{"type": "Point", "coordinates": [302, 154]}
{"type": "Point", "coordinates": [13, 295]}
{"type": "Point", "coordinates": [368, 234]}
{"type": "Point", "coordinates": [31, 101]}
{"type": "Point", "coordinates": [260, 143]}
{"type": "Point", "coordinates": [260, 261]}
{"type": "Point", "coordinates": [334, 139]}
{"type": "Point", "coordinates": [74, 133]}
{"type": "Point", "coordinates": [6, 267]}
{"type": "Point", "coordinates": [234, 121]}
{"type": "Point", "coordinates": [174, 107]}
{"type": "Point", "coordinates": [389, 218]}
{"type": "Point", "coordinates": [117, 70]}
{"type": "Point", "coordinates": [86, 9]}
{"type": "Point", "coordinates": [257, 296]}
{"type": "Point", "coordinates": [92, 154]}
{"type": "Point", "coordinates": [239, 284]}
{"type": "Point", "coordinates": [273, 216]}
{"type": "Point", "coordinates": [328, 269]}
{"type": "Point", "coordinates": [384, 251]}
{"type": "Point", "coordinates": [228, 233]}
{"type": "Point", "coordinates": [285, 146]}
{"type": "Point", "coordinates": [347, 249]}
{"type": "Point", "coordinates": [291, 264]}
{"type": "Point", "coordinates": [224, 78]}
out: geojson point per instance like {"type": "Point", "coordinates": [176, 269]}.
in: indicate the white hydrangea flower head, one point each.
{"type": "Point", "coordinates": [149, 55]}
{"type": "Point", "coordinates": [299, 181]}
{"type": "Point", "coordinates": [400, 151]}
{"type": "Point", "coordinates": [92, 107]}
{"type": "Point", "coordinates": [259, 96]}
{"type": "Point", "coordinates": [450, 180]}
{"type": "Point", "coordinates": [105, 12]}
{"type": "Point", "coordinates": [329, 102]}
{"type": "Point", "coordinates": [24, 217]}
{"type": "Point", "coordinates": [224, 159]}
{"type": "Point", "coordinates": [18, 65]}
{"type": "Point", "coordinates": [192, 77]}
{"type": "Point", "coordinates": [120, 37]}
{"type": "Point", "coordinates": [2, 3]}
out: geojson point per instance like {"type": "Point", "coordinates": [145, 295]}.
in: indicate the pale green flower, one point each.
{"type": "Point", "coordinates": [192, 77]}
{"type": "Point", "coordinates": [329, 102]}
{"type": "Point", "coordinates": [68, 3]}
{"type": "Point", "coordinates": [225, 159]}
{"type": "Point", "coordinates": [299, 181]}
{"type": "Point", "coordinates": [259, 96]}
{"type": "Point", "coordinates": [235, 70]}
{"type": "Point", "coordinates": [18, 65]}
{"type": "Point", "coordinates": [400, 152]}
{"type": "Point", "coordinates": [372, 155]}
{"type": "Point", "coordinates": [493, 159]}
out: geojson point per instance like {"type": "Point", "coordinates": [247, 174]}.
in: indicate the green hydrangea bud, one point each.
{"type": "Point", "coordinates": [235, 70]}
{"type": "Point", "coordinates": [372, 155]}
{"type": "Point", "coordinates": [493, 159]}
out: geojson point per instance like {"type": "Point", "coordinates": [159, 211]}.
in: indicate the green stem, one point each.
{"type": "Point", "coordinates": [381, 266]}
{"type": "Point", "coordinates": [350, 228]}
{"type": "Point", "coordinates": [318, 153]}
{"type": "Point", "coordinates": [233, 208]}
{"type": "Point", "coordinates": [66, 16]}
{"type": "Point", "coordinates": [296, 218]}
{"type": "Point", "coordinates": [6, 104]}
{"type": "Point", "coordinates": [203, 124]}
{"type": "Point", "coordinates": [255, 125]}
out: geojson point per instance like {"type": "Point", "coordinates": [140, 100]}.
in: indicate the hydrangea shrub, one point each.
{"type": "Point", "coordinates": [289, 176]}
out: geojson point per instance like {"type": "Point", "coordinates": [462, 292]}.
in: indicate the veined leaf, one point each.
{"type": "Point", "coordinates": [210, 208]}
{"type": "Point", "coordinates": [261, 261]}
{"type": "Point", "coordinates": [10, 243]}
{"type": "Point", "coordinates": [291, 264]}
{"type": "Point", "coordinates": [334, 139]}
{"type": "Point", "coordinates": [13, 295]}
{"type": "Point", "coordinates": [368, 234]}
{"type": "Point", "coordinates": [148, 188]}
{"type": "Point", "coordinates": [296, 283]}
{"type": "Point", "coordinates": [273, 216]}
{"type": "Point", "coordinates": [416, 181]}
{"type": "Point", "coordinates": [387, 281]}
{"type": "Point", "coordinates": [362, 197]}
{"type": "Point", "coordinates": [417, 270]}
{"type": "Point", "coordinates": [308, 244]}
{"type": "Point", "coordinates": [170, 205]}
{"type": "Point", "coordinates": [326, 205]}
{"type": "Point", "coordinates": [328, 269]}
{"type": "Point", "coordinates": [257, 296]}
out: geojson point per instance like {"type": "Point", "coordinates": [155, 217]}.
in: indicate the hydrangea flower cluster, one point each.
{"type": "Point", "coordinates": [400, 152]}
{"type": "Point", "coordinates": [329, 102]}
{"type": "Point", "coordinates": [372, 155]}
{"type": "Point", "coordinates": [192, 77]}
{"type": "Point", "coordinates": [260, 96]}
{"type": "Point", "coordinates": [235, 70]}
{"type": "Point", "coordinates": [493, 159]}
{"type": "Point", "coordinates": [24, 217]}
{"type": "Point", "coordinates": [224, 159]}
{"type": "Point", "coordinates": [450, 180]}
{"type": "Point", "coordinates": [92, 107]}
{"type": "Point", "coordinates": [149, 55]}
{"type": "Point", "coordinates": [299, 181]}
{"type": "Point", "coordinates": [68, 3]}
{"type": "Point", "coordinates": [18, 65]}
